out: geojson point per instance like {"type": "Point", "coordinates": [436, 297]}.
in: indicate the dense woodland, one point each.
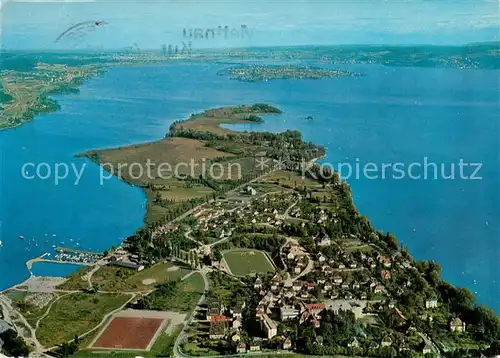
{"type": "Point", "coordinates": [13, 344]}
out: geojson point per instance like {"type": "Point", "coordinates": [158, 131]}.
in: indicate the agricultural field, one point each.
{"type": "Point", "coordinates": [179, 190]}
{"type": "Point", "coordinates": [211, 119]}
{"type": "Point", "coordinates": [77, 280]}
{"type": "Point", "coordinates": [76, 314]}
{"type": "Point", "coordinates": [167, 158]}
{"type": "Point", "coordinates": [26, 94]}
{"type": "Point", "coordinates": [34, 305]}
{"type": "Point", "coordinates": [236, 168]}
{"type": "Point", "coordinates": [291, 180]}
{"type": "Point", "coordinates": [242, 262]}
{"type": "Point", "coordinates": [111, 278]}
{"type": "Point", "coordinates": [179, 297]}
{"type": "Point", "coordinates": [223, 286]}
{"type": "Point", "coordinates": [267, 187]}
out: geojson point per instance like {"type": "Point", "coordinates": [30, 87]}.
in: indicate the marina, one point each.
{"type": "Point", "coordinates": [66, 256]}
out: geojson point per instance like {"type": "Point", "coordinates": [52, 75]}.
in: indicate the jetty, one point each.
{"type": "Point", "coordinates": [67, 256]}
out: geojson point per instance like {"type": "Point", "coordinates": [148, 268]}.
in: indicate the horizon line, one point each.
{"type": "Point", "coordinates": [204, 49]}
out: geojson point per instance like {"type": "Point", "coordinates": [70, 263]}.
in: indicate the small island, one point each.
{"type": "Point", "coordinates": [264, 73]}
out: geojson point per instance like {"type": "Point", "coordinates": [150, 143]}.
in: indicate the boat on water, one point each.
{"type": "Point", "coordinates": [1, 244]}
{"type": "Point", "coordinates": [21, 237]}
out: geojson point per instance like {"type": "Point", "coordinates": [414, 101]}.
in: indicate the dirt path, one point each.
{"type": "Point", "coordinates": [189, 212]}
{"type": "Point", "coordinates": [105, 318]}
{"type": "Point", "coordinates": [90, 274]}
{"type": "Point", "coordinates": [49, 308]}
{"type": "Point", "coordinates": [10, 313]}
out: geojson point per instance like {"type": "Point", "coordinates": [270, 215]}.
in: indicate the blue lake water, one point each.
{"type": "Point", "coordinates": [53, 269]}
{"type": "Point", "coordinates": [389, 115]}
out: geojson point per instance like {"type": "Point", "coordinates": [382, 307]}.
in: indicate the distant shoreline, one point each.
{"type": "Point", "coordinates": [25, 104]}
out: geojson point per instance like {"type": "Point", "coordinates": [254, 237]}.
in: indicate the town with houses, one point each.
{"type": "Point", "coordinates": [281, 266]}
{"type": "Point", "coordinates": [297, 283]}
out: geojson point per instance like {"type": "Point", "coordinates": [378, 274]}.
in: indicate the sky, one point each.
{"type": "Point", "coordinates": [149, 24]}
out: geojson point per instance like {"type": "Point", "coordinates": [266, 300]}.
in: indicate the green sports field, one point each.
{"type": "Point", "coordinates": [243, 262]}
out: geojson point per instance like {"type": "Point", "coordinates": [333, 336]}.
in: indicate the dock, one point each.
{"type": "Point", "coordinates": [76, 251]}
{"type": "Point", "coordinates": [41, 258]}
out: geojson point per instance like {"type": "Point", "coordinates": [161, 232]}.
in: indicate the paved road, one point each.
{"type": "Point", "coordinates": [187, 213]}
{"type": "Point", "coordinates": [428, 341]}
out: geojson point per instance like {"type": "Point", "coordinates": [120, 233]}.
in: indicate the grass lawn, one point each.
{"type": "Point", "coordinates": [211, 120]}
{"type": "Point", "coordinates": [184, 299]}
{"type": "Point", "coordinates": [190, 292]}
{"type": "Point", "coordinates": [360, 248]}
{"type": "Point", "coordinates": [111, 278]}
{"type": "Point", "coordinates": [165, 343]}
{"type": "Point", "coordinates": [154, 212]}
{"type": "Point", "coordinates": [262, 187]}
{"type": "Point", "coordinates": [171, 151]}
{"type": "Point", "coordinates": [236, 169]}
{"type": "Point", "coordinates": [76, 281]}
{"type": "Point", "coordinates": [243, 262]}
{"type": "Point", "coordinates": [321, 195]}
{"type": "Point", "coordinates": [291, 179]}
{"type": "Point", "coordinates": [464, 343]}
{"type": "Point", "coordinates": [223, 286]}
{"type": "Point", "coordinates": [194, 349]}
{"type": "Point", "coordinates": [31, 311]}
{"type": "Point", "coordinates": [76, 313]}
{"type": "Point", "coordinates": [16, 296]}
{"type": "Point", "coordinates": [179, 190]}
{"type": "Point", "coordinates": [369, 320]}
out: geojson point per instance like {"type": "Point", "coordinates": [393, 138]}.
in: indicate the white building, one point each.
{"type": "Point", "coordinates": [268, 326]}
{"type": "Point", "coordinates": [432, 303]}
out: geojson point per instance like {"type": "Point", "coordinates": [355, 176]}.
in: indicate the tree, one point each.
{"type": "Point", "coordinates": [280, 329]}
{"type": "Point", "coordinates": [391, 240]}
{"type": "Point", "coordinates": [67, 349]}
{"type": "Point", "coordinates": [217, 255]}
{"type": "Point", "coordinates": [485, 325]}
{"type": "Point", "coordinates": [409, 354]}
{"type": "Point", "coordinates": [13, 344]}
{"type": "Point", "coordinates": [388, 352]}
{"type": "Point", "coordinates": [494, 349]}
